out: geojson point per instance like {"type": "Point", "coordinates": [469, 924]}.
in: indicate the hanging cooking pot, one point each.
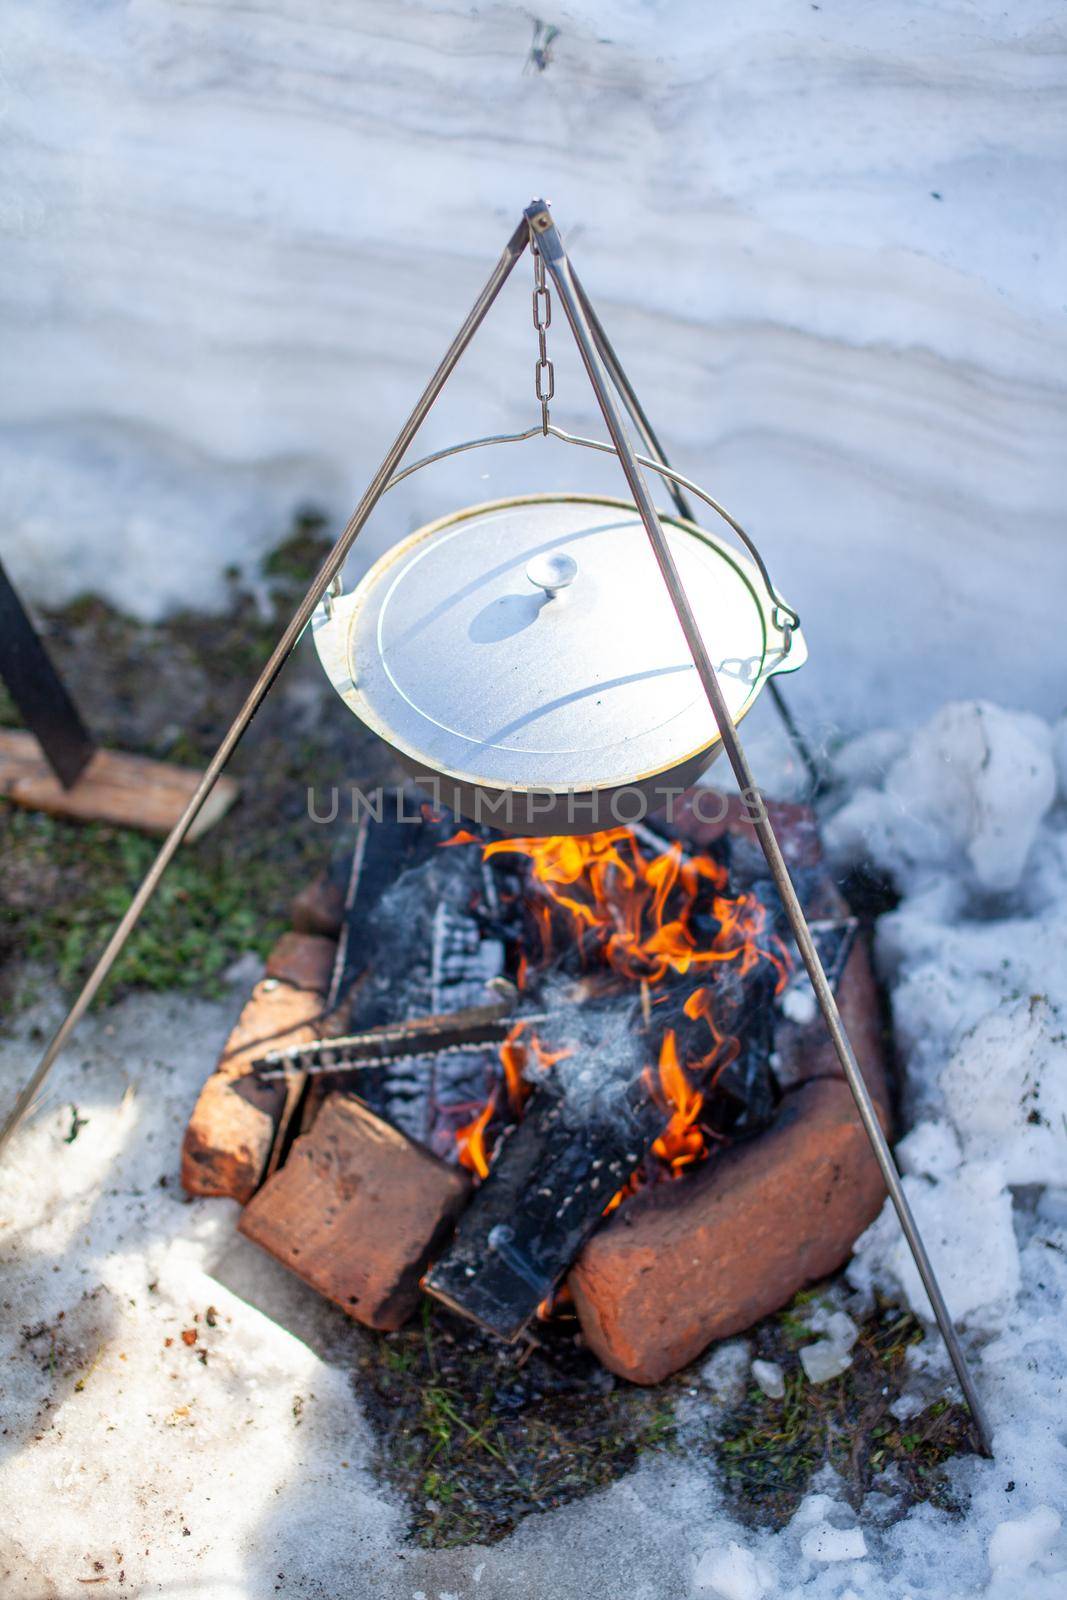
{"type": "Point", "coordinates": [525, 662]}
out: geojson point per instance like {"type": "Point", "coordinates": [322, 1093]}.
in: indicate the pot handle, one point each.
{"type": "Point", "coordinates": [783, 617]}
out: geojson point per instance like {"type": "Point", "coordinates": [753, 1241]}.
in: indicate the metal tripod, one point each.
{"type": "Point", "coordinates": [599, 359]}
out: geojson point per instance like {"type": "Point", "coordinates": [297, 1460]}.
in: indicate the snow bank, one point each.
{"type": "Point", "coordinates": [825, 239]}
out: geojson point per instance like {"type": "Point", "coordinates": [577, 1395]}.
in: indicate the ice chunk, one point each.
{"type": "Point", "coordinates": [771, 1379]}
{"type": "Point", "coordinates": [964, 1219]}
{"type": "Point", "coordinates": [1006, 1091]}
{"type": "Point", "coordinates": [930, 1150]}
{"type": "Point", "coordinates": [798, 1001]}
{"type": "Point", "coordinates": [733, 1573]}
{"type": "Point", "coordinates": [827, 1543]}
{"type": "Point", "coordinates": [1024, 1540]}
{"type": "Point", "coordinates": [725, 1372]}
{"type": "Point", "coordinates": [824, 1360]}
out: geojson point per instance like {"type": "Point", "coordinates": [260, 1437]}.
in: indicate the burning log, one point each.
{"type": "Point", "coordinates": [584, 1134]}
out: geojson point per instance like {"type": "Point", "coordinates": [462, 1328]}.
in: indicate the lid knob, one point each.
{"type": "Point", "coordinates": [552, 572]}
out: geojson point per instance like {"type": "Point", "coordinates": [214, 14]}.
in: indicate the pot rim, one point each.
{"type": "Point", "coordinates": [332, 628]}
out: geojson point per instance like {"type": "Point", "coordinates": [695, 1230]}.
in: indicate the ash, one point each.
{"type": "Point", "coordinates": [606, 1049]}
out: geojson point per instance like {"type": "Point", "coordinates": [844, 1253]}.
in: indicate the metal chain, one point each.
{"type": "Point", "coordinates": [544, 373]}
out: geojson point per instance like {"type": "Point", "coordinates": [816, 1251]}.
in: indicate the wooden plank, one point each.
{"type": "Point", "coordinates": [128, 791]}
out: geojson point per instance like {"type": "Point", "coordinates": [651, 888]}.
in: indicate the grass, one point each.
{"type": "Point", "coordinates": [215, 902]}
{"type": "Point", "coordinates": [477, 1435]}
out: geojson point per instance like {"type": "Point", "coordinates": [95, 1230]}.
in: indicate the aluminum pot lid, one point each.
{"type": "Point", "coordinates": [531, 643]}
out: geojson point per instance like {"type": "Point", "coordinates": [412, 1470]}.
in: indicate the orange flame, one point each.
{"type": "Point", "coordinates": [514, 1057]}
{"type": "Point", "coordinates": [470, 1141]}
{"type": "Point", "coordinates": [681, 1142]}
{"type": "Point", "coordinates": [606, 887]}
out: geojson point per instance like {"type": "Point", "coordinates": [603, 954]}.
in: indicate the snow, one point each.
{"type": "Point", "coordinates": [264, 1454]}
{"type": "Point", "coordinates": [732, 1573]}
{"type": "Point", "coordinates": [966, 795]}
{"type": "Point", "coordinates": [1019, 1543]}
{"type": "Point", "coordinates": [965, 1219]}
{"type": "Point", "coordinates": [827, 241]}
{"type": "Point", "coordinates": [827, 1543]}
{"type": "Point", "coordinates": [1004, 1095]}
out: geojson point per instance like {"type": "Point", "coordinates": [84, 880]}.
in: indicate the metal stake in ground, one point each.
{"type": "Point", "coordinates": [551, 247]}
{"type": "Point", "coordinates": [279, 656]}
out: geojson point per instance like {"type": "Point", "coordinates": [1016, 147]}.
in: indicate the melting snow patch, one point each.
{"type": "Point", "coordinates": [726, 1370]}
{"type": "Point", "coordinates": [1018, 1544]}
{"type": "Point", "coordinates": [1006, 1091]}
{"type": "Point", "coordinates": [965, 1219]}
{"type": "Point", "coordinates": [968, 795]}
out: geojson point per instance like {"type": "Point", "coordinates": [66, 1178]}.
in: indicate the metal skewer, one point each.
{"type": "Point", "coordinates": [551, 248]}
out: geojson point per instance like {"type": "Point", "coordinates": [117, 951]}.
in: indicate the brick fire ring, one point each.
{"type": "Point", "coordinates": [678, 1265]}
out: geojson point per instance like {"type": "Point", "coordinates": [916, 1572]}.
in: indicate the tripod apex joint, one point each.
{"type": "Point", "coordinates": [539, 215]}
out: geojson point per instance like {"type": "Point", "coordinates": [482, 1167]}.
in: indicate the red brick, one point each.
{"type": "Point", "coordinates": [303, 959]}
{"type": "Point", "coordinates": [358, 1211]}
{"type": "Point", "coordinates": [319, 908]}
{"type": "Point", "coordinates": [704, 1257]}
{"type": "Point", "coordinates": [228, 1141]}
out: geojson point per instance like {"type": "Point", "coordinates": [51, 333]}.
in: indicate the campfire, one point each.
{"type": "Point", "coordinates": [515, 1051]}
{"type": "Point", "coordinates": [634, 920]}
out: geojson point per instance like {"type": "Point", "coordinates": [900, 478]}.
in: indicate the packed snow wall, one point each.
{"type": "Point", "coordinates": [826, 241]}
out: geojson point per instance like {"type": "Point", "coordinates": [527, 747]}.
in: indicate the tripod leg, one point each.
{"type": "Point", "coordinates": [557, 264]}
{"type": "Point", "coordinates": [280, 654]}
